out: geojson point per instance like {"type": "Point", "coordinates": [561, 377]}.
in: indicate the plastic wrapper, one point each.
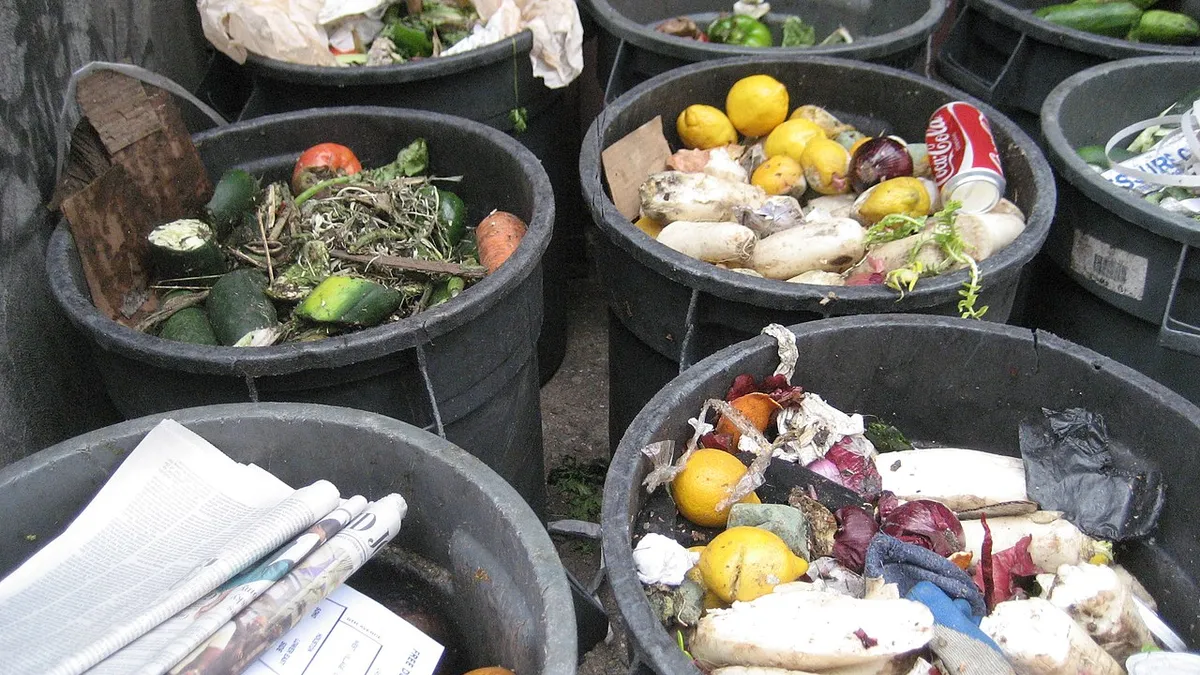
{"type": "Point", "coordinates": [1071, 465]}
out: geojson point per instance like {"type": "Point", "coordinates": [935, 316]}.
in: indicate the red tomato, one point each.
{"type": "Point", "coordinates": [325, 158]}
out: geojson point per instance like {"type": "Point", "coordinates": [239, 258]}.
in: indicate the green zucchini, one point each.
{"type": "Point", "coordinates": [1141, 4]}
{"type": "Point", "coordinates": [1093, 154]}
{"type": "Point", "coordinates": [185, 248]}
{"type": "Point", "coordinates": [349, 300]}
{"type": "Point", "coordinates": [1165, 28]}
{"type": "Point", "coordinates": [234, 196]}
{"type": "Point", "coordinates": [446, 290]}
{"type": "Point", "coordinates": [452, 215]}
{"type": "Point", "coordinates": [237, 305]}
{"type": "Point", "coordinates": [1113, 19]}
{"type": "Point", "coordinates": [189, 324]}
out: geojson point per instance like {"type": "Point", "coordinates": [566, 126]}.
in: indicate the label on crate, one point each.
{"type": "Point", "coordinates": [1119, 271]}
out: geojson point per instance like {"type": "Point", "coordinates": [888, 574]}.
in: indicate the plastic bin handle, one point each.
{"type": "Point", "coordinates": [63, 134]}
{"type": "Point", "coordinates": [981, 86]}
{"type": "Point", "coordinates": [1175, 334]}
{"type": "Point", "coordinates": [617, 67]}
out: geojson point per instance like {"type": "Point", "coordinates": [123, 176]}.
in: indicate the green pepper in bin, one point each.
{"type": "Point", "coordinates": [738, 29]}
{"type": "Point", "coordinates": [411, 41]}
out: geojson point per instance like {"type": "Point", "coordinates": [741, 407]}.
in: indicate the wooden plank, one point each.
{"type": "Point", "coordinates": [107, 219]}
{"type": "Point", "coordinates": [118, 107]}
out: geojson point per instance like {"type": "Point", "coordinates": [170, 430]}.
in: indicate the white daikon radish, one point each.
{"type": "Point", "coordinates": [1041, 639]}
{"type": "Point", "coordinates": [1100, 601]}
{"type": "Point", "coordinates": [713, 242]}
{"type": "Point", "coordinates": [776, 214]}
{"type": "Point", "coordinates": [966, 481]}
{"type": "Point", "coordinates": [818, 277]}
{"type": "Point", "coordinates": [745, 270]}
{"type": "Point", "coordinates": [830, 206]}
{"type": "Point", "coordinates": [1006, 207]}
{"type": "Point", "coordinates": [987, 233]}
{"type": "Point", "coordinates": [1055, 540]}
{"type": "Point", "coordinates": [893, 255]}
{"type": "Point", "coordinates": [758, 670]}
{"type": "Point", "coordinates": [721, 164]}
{"type": "Point", "coordinates": [813, 631]}
{"type": "Point", "coordinates": [831, 245]}
{"type": "Point", "coordinates": [672, 195]}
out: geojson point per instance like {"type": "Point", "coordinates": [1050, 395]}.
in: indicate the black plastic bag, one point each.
{"type": "Point", "coordinates": [1072, 466]}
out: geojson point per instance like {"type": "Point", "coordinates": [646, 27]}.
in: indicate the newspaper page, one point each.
{"type": "Point", "coordinates": [348, 633]}
{"type": "Point", "coordinates": [174, 521]}
{"type": "Point", "coordinates": [155, 652]}
{"type": "Point", "coordinates": [234, 646]}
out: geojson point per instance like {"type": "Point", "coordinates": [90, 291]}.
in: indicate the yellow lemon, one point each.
{"type": "Point", "coordinates": [829, 124]}
{"type": "Point", "coordinates": [744, 563]}
{"type": "Point", "coordinates": [790, 138]}
{"type": "Point", "coordinates": [858, 143]}
{"type": "Point", "coordinates": [779, 175]}
{"type": "Point", "coordinates": [757, 104]}
{"type": "Point", "coordinates": [825, 163]}
{"type": "Point", "coordinates": [707, 479]}
{"type": "Point", "coordinates": [906, 195]}
{"type": "Point", "coordinates": [648, 225]}
{"type": "Point", "coordinates": [702, 127]}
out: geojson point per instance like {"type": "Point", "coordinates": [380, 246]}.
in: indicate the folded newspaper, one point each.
{"type": "Point", "coordinates": [189, 562]}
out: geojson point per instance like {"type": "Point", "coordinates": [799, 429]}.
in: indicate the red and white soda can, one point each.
{"type": "Point", "coordinates": [964, 158]}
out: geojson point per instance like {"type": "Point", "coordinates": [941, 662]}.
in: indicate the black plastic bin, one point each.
{"type": "Point", "coordinates": [461, 515]}
{"type": "Point", "coordinates": [667, 310]}
{"type": "Point", "coordinates": [467, 368]}
{"type": "Point", "coordinates": [999, 52]}
{"type": "Point", "coordinates": [1127, 282]}
{"type": "Point", "coordinates": [630, 51]}
{"type": "Point", "coordinates": [483, 84]}
{"type": "Point", "coordinates": [938, 379]}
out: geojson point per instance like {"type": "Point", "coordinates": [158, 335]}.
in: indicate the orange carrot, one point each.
{"type": "Point", "coordinates": [497, 236]}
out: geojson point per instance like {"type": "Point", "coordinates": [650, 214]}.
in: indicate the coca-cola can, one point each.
{"type": "Point", "coordinates": [964, 158]}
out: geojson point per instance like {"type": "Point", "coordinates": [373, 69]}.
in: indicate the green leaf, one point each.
{"type": "Point", "coordinates": [519, 118]}
{"type": "Point", "coordinates": [414, 159]}
{"type": "Point", "coordinates": [892, 227]}
{"type": "Point", "coordinates": [796, 33]}
{"type": "Point", "coordinates": [886, 438]}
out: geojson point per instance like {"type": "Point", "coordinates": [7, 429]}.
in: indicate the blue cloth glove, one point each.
{"type": "Point", "coordinates": [908, 564]}
{"type": "Point", "coordinates": [957, 640]}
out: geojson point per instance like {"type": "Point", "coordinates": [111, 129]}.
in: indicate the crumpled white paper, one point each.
{"type": "Point", "coordinates": [300, 31]}
{"type": "Point", "coordinates": [662, 560]}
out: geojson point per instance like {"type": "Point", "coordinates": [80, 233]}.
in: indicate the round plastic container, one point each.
{"type": "Point", "coordinates": [998, 51]}
{"type": "Point", "coordinates": [668, 310]}
{"type": "Point", "coordinates": [962, 383]}
{"type": "Point", "coordinates": [484, 85]}
{"type": "Point", "coordinates": [1127, 282]}
{"type": "Point", "coordinates": [461, 515]}
{"type": "Point", "coordinates": [892, 32]}
{"type": "Point", "coordinates": [466, 369]}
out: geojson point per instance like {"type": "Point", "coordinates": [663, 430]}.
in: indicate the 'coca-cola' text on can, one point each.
{"type": "Point", "coordinates": [964, 158]}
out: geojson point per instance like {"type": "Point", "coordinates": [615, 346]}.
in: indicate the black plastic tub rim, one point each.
{"type": "Point", "coordinates": [868, 47]}
{"type": "Point", "coordinates": [697, 274]}
{"type": "Point", "coordinates": [1124, 203]}
{"type": "Point", "coordinates": [1071, 38]}
{"type": "Point", "coordinates": [340, 350]}
{"type": "Point", "coordinates": [623, 482]}
{"type": "Point", "coordinates": [513, 47]}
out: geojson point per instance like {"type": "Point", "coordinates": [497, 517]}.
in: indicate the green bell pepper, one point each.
{"type": "Point", "coordinates": [738, 29]}
{"type": "Point", "coordinates": [411, 41]}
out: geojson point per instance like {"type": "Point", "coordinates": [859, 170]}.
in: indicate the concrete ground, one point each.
{"type": "Point", "coordinates": [575, 432]}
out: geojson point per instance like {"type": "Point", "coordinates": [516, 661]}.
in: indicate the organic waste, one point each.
{"type": "Point", "coordinates": [1160, 150]}
{"type": "Point", "coordinates": [931, 538]}
{"type": "Point", "coordinates": [335, 250]}
{"type": "Point", "coordinates": [405, 35]}
{"type": "Point", "coordinates": [749, 25]}
{"type": "Point", "coordinates": [1133, 20]}
{"type": "Point", "coordinates": [807, 198]}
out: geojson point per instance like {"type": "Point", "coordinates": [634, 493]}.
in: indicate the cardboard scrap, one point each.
{"type": "Point", "coordinates": [134, 167]}
{"type": "Point", "coordinates": [631, 160]}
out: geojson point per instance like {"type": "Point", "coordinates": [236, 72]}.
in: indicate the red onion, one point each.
{"type": "Point", "coordinates": [827, 469]}
{"type": "Point", "coordinates": [878, 160]}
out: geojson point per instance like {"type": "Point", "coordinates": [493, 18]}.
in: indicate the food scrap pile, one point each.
{"type": "Point", "coordinates": [801, 538]}
{"type": "Point", "coordinates": [337, 249]}
{"type": "Point", "coordinates": [1158, 164]}
{"type": "Point", "coordinates": [807, 198]}
{"type": "Point", "coordinates": [746, 26]}
{"type": "Point", "coordinates": [1133, 20]}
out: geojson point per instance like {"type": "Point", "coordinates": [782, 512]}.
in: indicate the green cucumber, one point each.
{"type": "Point", "coordinates": [237, 305]}
{"type": "Point", "coordinates": [349, 300]}
{"type": "Point", "coordinates": [189, 324]}
{"type": "Point", "coordinates": [1113, 19]}
{"type": "Point", "coordinates": [452, 215]}
{"type": "Point", "coordinates": [1165, 28]}
{"type": "Point", "coordinates": [185, 248]}
{"type": "Point", "coordinates": [1141, 4]}
{"type": "Point", "coordinates": [1093, 154]}
{"type": "Point", "coordinates": [447, 290]}
{"type": "Point", "coordinates": [234, 196]}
